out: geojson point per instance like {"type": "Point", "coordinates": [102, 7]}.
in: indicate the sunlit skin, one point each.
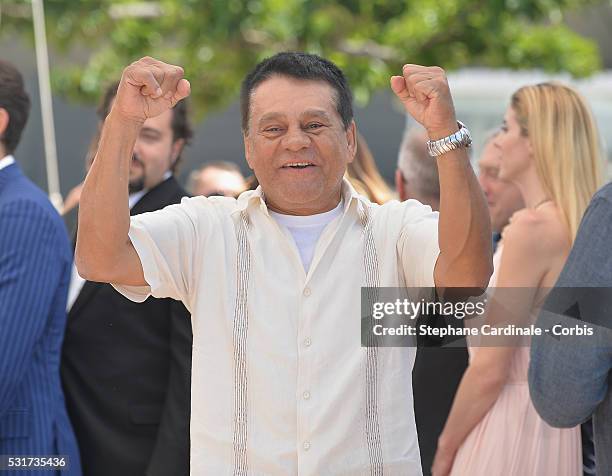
{"type": "Point", "coordinates": [514, 148]}
{"type": "Point", "coordinates": [517, 161]}
{"type": "Point", "coordinates": [503, 197]}
{"type": "Point", "coordinates": [295, 121]}
{"type": "Point", "coordinates": [290, 122]}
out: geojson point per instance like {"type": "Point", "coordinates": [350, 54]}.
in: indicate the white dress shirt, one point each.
{"type": "Point", "coordinates": [280, 382]}
{"type": "Point", "coordinates": [6, 161]}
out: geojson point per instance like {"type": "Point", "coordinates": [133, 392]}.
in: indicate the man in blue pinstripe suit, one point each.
{"type": "Point", "coordinates": [35, 263]}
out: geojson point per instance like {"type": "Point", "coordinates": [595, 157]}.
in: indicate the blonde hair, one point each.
{"type": "Point", "coordinates": [566, 145]}
{"type": "Point", "coordinates": [364, 175]}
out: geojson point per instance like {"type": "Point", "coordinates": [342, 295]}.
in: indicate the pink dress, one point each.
{"type": "Point", "coordinates": [512, 440]}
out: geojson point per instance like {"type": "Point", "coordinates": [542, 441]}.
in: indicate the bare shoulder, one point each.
{"type": "Point", "coordinates": [537, 232]}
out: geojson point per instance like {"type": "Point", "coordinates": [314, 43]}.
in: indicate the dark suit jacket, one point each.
{"type": "Point", "coordinates": [35, 266]}
{"type": "Point", "coordinates": [437, 372]}
{"type": "Point", "coordinates": [126, 370]}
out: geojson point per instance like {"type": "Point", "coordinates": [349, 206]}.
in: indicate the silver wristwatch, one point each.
{"type": "Point", "coordinates": [461, 138]}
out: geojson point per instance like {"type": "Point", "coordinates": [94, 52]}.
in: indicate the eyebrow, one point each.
{"type": "Point", "coordinates": [316, 113]}
{"type": "Point", "coordinates": [150, 130]}
{"type": "Point", "coordinates": [271, 116]}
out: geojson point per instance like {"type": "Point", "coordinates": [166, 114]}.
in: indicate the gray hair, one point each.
{"type": "Point", "coordinates": [415, 164]}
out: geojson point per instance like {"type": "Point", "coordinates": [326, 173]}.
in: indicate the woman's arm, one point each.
{"type": "Point", "coordinates": [523, 263]}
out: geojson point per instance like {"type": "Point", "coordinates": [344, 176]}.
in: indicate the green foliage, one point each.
{"type": "Point", "coordinates": [218, 41]}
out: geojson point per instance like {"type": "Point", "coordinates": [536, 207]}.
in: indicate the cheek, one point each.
{"type": "Point", "coordinates": [495, 189]}
{"type": "Point", "coordinates": [511, 151]}
{"type": "Point", "coordinates": [335, 153]}
{"type": "Point", "coordinates": [261, 157]}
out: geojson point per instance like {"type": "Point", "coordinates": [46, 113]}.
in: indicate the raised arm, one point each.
{"type": "Point", "coordinates": [464, 228]}
{"type": "Point", "coordinates": [104, 252]}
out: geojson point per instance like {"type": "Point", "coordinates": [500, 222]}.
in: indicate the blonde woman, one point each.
{"type": "Point", "coordinates": [549, 148]}
{"type": "Point", "coordinates": [363, 174]}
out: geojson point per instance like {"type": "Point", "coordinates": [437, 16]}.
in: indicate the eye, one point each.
{"type": "Point", "coordinates": [314, 126]}
{"type": "Point", "coordinates": [272, 129]}
{"type": "Point", "coordinates": [148, 138]}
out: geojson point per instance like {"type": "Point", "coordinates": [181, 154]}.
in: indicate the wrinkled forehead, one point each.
{"type": "Point", "coordinates": [291, 97]}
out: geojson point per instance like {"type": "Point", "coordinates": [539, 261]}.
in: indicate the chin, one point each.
{"type": "Point", "coordinates": [300, 191]}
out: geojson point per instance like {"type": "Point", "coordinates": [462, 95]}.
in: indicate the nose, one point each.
{"type": "Point", "coordinates": [484, 185]}
{"type": "Point", "coordinates": [137, 148]}
{"type": "Point", "coordinates": [296, 139]}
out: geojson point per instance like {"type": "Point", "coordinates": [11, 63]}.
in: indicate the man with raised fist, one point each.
{"type": "Point", "coordinates": [126, 367]}
{"type": "Point", "coordinates": [280, 382]}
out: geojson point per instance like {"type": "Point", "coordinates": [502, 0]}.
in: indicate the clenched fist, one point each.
{"type": "Point", "coordinates": [149, 87]}
{"type": "Point", "coordinates": [426, 96]}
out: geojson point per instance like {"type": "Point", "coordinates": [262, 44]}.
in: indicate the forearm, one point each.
{"type": "Point", "coordinates": [104, 214]}
{"type": "Point", "coordinates": [464, 225]}
{"type": "Point", "coordinates": [475, 396]}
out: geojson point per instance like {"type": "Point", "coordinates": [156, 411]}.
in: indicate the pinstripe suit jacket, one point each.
{"type": "Point", "coordinates": [35, 264]}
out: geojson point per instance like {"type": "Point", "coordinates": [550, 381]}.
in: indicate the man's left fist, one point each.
{"type": "Point", "coordinates": [426, 96]}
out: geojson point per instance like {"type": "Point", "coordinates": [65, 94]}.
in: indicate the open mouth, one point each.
{"type": "Point", "coordinates": [298, 165]}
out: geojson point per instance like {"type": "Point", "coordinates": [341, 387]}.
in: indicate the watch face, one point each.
{"type": "Point", "coordinates": [466, 137]}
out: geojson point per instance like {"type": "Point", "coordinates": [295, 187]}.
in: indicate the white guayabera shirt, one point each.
{"type": "Point", "coordinates": [280, 382]}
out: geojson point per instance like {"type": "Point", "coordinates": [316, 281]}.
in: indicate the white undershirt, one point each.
{"type": "Point", "coordinates": [6, 161]}
{"type": "Point", "coordinates": [306, 230]}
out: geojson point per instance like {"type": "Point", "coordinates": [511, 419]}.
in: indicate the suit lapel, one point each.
{"type": "Point", "coordinates": [158, 197]}
{"type": "Point", "coordinates": [87, 292]}
{"type": "Point", "coordinates": [8, 174]}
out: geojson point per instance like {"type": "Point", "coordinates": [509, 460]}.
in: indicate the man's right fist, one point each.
{"type": "Point", "coordinates": [149, 87]}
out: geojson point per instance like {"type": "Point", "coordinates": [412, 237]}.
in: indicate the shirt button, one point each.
{"type": "Point", "coordinates": [306, 445]}
{"type": "Point", "coordinates": [307, 342]}
{"type": "Point", "coordinates": [306, 395]}
{"type": "Point", "coordinates": [307, 292]}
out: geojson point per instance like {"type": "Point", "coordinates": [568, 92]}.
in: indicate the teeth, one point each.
{"type": "Point", "coordinates": [299, 164]}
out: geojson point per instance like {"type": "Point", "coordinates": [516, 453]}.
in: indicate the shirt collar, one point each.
{"type": "Point", "coordinates": [6, 161]}
{"type": "Point", "coordinates": [135, 197]}
{"type": "Point", "coordinates": [252, 199]}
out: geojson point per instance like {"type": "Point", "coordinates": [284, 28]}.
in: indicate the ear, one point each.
{"type": "Point", "coordinates": [4, 120]}
{"type": "Point", "coordinates": [351, 140]}
{"type": "Point", "coordinates": [400, 185]}
{"type": "Point", "coordinates": [177, 147]}
{"type": "Point", "coordinates": [530, 148]}
{"type": "Point", "coordinates": [528, 145]}
{"type": "Point", "coordinates": [247, 149]}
